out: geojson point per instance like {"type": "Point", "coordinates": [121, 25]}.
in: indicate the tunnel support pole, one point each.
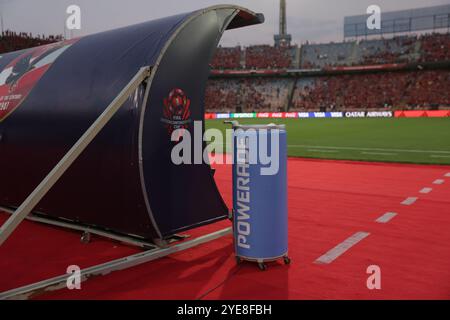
{"type": "Point", "coordinates": [49, 181]}
{"type": "Point", "coordinates": [60, 282]}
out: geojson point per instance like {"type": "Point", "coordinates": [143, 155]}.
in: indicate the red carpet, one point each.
{"type": "Point", "coordinates": [329, 201]}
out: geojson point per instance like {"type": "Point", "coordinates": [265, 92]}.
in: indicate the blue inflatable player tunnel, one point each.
{"type": "Point", "coordinates": [124, 182]}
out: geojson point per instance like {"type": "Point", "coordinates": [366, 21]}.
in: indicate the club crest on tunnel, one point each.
{"type": "Point", "coordinates": [176, 112]}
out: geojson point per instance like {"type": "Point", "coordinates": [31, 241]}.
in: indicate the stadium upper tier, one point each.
{"type": "Point", "coordinates": [256, 57]}
{"type": "Point", "coordinates": [12, 41]}
{"type": "Point", "coordinates": [326, 91]}
{"type": "Point", "coordinates": [402, 49]}
{"type": "Point", "coordinates": [323, 91]}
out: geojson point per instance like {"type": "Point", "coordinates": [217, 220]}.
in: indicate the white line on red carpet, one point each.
{"type": "Point", "coordinates": [385, 218]}
{"type": "Point", "coordinates": [409, 201]}
{"type": "Point", "coordinates": [426, 190]}
{"type": "Point", "coordinates": [341, 248]}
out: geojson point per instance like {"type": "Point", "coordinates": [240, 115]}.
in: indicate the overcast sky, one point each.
{"type": "Point", "coordinates": [313, 20]}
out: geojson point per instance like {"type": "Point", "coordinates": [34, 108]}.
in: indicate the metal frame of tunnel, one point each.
{"type": "Point", "coordinates": [241, 17]}
{"type": "Point", "coordinates": [41, 190]}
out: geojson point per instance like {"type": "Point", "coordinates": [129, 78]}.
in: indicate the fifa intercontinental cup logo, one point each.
{"type": "Point", "coordinates": [176, 113]}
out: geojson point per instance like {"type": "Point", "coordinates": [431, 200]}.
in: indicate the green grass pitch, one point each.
{"type": "Point", "coordinates": [410, 140]}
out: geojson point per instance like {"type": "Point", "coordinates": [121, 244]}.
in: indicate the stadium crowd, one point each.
{"type": "Point", "coordinates": [227, 58]}
{"type": "Point", "coordinates": [12, 41]}
{"type": "Point", "coordinates": [435, 47]}
{"type": "Point", "coordinates": [255, 57]}
{"type": "Point", "coordinates": [386, 90]}
{"type": "Point", "coordinates": [369, 91]}
{"type": "Point", "coordinates": [251, 94]}
{"type": "Point", "coordinates": [381, 90]}
{"type": "Point", "coordinates": [268, 57]}
{"type": "Point", "coordinates": [401, 49]}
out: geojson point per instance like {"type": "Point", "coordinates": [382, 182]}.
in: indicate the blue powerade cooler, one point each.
{"type": "Point", "coordinates": [260, 215]}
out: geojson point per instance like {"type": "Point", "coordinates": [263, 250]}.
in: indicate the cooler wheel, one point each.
{"type": "Point", "coordinates": [262, 266]}
{"type": "Point", "coordinates": [85, 237]}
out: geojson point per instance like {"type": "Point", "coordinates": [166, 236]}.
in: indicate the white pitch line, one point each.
{"type": "Point", "coordinates": [447, 175]}
{"type": "Point", "coordinates": [368, 149]}
{"type": "Point", "coordinates": [341, 248]}
{"type": "Point", "coordinates": [328, 151]}
{"type": "Point", "coordinates": [438, 156]}
{"type": "Point", "coordinates": [426, 190]}
{"type": "Point", "coordinates": [385, 218]}
{"type": "Point", "coordinates": [379, 153]}
{"type": "Point", "coordinates": [438, 181]}
{"type": "Point", "coordinates": [409, 201]}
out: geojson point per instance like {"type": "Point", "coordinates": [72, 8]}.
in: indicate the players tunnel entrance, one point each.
{"type": "Point", "coordinates": [124, 182]}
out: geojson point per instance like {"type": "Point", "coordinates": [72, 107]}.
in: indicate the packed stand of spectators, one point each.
{"type": "Point", "coordinates": [382, 51]}
{"type": "Point", "coordinates": [435, 47]}
{"type": "Point", "coordinates": [221, 95]}
{"type": "Point", "coordinates": [12, 41]}
{"type": "Point", "coordinates": [268, 57]}
{"type": "Point", "coordinates": [413, 89]}
{"type": "Point", "coordinates": [255, 57]}
{"type": "Point", "coordinates": [403, 49]}
{"type": "Point", "coordinates": [247, 95]}
{"type": "Point", "coordinates": [265, 94]}
{"type": "Point", "coordinates": [429, 88]}
{"type": "Point", "coordinates": [324, 55]}
{"type": "Point", "coordinates": [227, 58]}
{"type": "Point", "coordinates": [374, 91]}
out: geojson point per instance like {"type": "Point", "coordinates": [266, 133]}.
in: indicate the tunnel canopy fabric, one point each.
{"type": "Point", "coordinates": [125, 181]}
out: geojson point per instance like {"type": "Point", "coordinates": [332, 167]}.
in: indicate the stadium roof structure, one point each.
{"type": "Point", "coordinates": [123, 90]}
{"type": "Point", "coordinates": [402, 21]}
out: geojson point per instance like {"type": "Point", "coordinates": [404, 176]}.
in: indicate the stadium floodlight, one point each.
{"type": "Point", "coordinates": [282, 38]}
